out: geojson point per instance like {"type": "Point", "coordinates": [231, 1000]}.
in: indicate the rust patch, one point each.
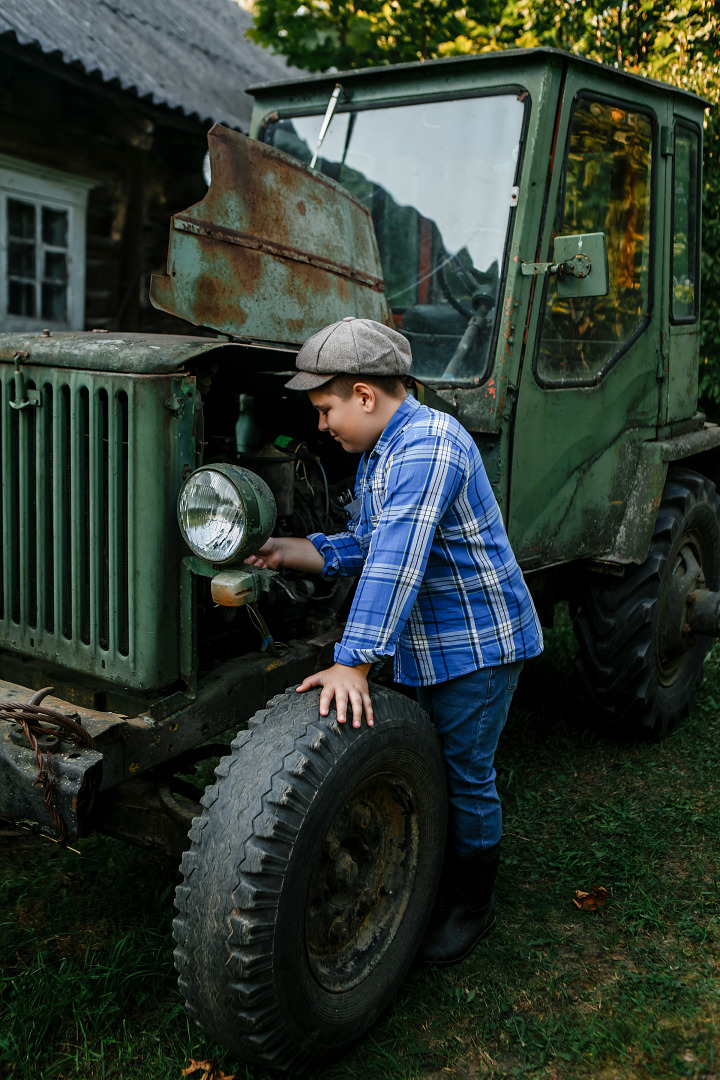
{"type": "Point", "coordinates": [270, 236]}
{"type": "Point", "coordinates": [211, 302]}
{"type": "Point", "coordinates": [225, 235]}
{"type": "Point", "coordinates": [256, 173]}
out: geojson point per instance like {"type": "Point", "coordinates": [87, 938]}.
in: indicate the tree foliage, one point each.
{"type": "Point", "coordinates": [319, 34]}
{"type": "Point", "coordinates": [680, 45]}
{"type": "Point", "coordinates": [633, 34]}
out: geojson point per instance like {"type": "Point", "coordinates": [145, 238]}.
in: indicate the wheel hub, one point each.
{"type": "Point", "coordinates": [675, 636]}
{"type": "Point", "coordinates": [361, 882]}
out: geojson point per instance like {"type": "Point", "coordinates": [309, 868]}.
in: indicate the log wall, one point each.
{"type": "Point", "coordinates": [146, 161]}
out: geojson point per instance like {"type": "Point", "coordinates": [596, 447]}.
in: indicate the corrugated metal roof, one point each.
{"type": "Point", "coordinates": [191, 55]}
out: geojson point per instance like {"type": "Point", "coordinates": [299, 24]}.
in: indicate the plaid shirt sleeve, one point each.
{"type": "Point", "coordinates": [341, 553]}
{"type": "Point", "coordinates": [421, 481]}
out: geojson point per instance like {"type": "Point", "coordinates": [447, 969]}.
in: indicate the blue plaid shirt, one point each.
{"type": "Point", "coordinates": [439, 590]}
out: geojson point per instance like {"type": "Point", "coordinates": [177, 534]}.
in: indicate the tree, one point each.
{"type": "Point", "coordinates": [320, 34]}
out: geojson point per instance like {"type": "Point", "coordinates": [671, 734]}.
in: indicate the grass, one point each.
{"type": "Point", "coordinates": [87, 990]}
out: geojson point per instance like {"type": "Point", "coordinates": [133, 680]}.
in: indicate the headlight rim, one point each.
{"type": "Point", "coordinates": [256, 500]}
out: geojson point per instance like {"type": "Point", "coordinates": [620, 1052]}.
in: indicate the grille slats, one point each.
{"type": "Point", "coordinates": [98, 531]}
{"type": "Point", "coordinates": [121, 525]}
{"type": "Point", "coordinates": [81, 516]}
{"type": "Point", "coordinates": [43, 532]}
{"type": "Point", "coordinates": [25, 501]}
{"type": "Point", "coordinates": [63, 517]}
{"type": "Point", "coordinates": [2, 504]}
{"type": "Point", "coordinates": [116, 585]}
{"type": "Point", "coordinates": [46, 527]}
{"type": "Point", "coordinates": [64, 526]}
{"type": "Point", "coordinates": [12, 518]}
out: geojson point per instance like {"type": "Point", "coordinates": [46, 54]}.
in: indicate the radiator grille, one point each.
{"type": "Point", "coordinates": [64, 516]}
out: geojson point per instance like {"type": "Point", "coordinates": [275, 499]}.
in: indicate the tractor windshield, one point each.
{"type": "Point", "coordinates": [438, 179]}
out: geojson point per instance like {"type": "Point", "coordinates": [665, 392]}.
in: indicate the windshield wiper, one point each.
{"type": "Point", "coordinates": [329, 113]}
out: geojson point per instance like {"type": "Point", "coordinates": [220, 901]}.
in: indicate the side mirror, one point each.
{"type": "Point", "coordinates": [582, 265]}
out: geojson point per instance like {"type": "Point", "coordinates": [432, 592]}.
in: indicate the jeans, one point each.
{"type": "Point", "coordinates": [469, 713]}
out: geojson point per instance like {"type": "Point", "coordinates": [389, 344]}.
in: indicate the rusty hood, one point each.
{"type": "Point", "coordinates": [274, 252]}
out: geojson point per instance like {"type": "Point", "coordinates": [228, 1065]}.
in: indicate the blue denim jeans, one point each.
{"type": "Point", "coordinates": [469, 713]}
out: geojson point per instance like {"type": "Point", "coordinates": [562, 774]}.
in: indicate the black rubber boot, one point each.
{"type": "Point", "coordinates": [468, 915]}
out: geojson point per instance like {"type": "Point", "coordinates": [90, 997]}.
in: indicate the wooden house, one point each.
{"type": "Point", "coordinates": [104, 110]}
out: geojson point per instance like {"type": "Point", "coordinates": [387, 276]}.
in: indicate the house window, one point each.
{"type": "Point", "coordinates": [42, 247]}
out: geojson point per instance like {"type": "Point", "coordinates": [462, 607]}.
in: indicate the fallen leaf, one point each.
{"type": "Point", "coordinates": [210, 1071]}
{"type": "Point", "coordinates": [590, 901]}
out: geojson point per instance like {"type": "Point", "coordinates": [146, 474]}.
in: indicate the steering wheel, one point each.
{"type": "Point", "coordinates": [481, 285]}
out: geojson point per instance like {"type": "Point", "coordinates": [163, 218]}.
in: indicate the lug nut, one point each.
{"type": "Point", "coordinates": [338, 929]}
{"type": "Point", "coordinates": [346, 870]}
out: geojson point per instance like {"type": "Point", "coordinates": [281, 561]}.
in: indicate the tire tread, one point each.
{"type": "Point", "coordinates": [617, 619]}
{"type": "Point", "coordinates": [251, 816]}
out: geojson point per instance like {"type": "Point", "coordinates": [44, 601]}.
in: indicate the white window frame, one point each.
{"type": "Point", "coordinates": [57, 190]}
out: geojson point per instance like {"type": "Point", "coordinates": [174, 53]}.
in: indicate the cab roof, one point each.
{"type": "Point", "coordinates": [512, 59]}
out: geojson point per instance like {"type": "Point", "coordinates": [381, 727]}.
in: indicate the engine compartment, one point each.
{"type": "Point", "coordinates": [246, 417]}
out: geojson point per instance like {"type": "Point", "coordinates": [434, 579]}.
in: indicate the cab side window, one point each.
{"type": "Point", "coordinates": [607, 187]}
{"type": "Point", "coordinates": [686, 201]}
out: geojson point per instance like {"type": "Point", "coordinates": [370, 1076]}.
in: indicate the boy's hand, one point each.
{"type": "Point", "coordinates": [269, 556]}
{"type": "Point", "coordinates": [345, 684]}
{"type": "Point", "coordinates": [292, 552]}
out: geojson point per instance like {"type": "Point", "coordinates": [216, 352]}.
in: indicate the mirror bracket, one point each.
{"type": "Point", "coordinates": [581, 267]}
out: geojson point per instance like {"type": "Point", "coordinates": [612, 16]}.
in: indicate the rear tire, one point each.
{"type": "Point", "coordinates": [310, 878]}
{"type": "Point", "coordinates": [636, 661]}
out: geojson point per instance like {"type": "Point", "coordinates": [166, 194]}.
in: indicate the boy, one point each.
{"type": "Point", "coordinates": [439, 591]}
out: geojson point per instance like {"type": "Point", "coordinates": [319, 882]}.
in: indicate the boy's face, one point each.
{"type": "Point", "coordinates": [353, 421]}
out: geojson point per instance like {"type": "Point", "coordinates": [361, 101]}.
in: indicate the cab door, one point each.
{"type": "Point", "coordinates": [588, 391]}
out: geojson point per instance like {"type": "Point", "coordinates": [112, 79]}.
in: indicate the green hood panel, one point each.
{"type": "Point", "coordinates": [130, 354]}
{"type": "Point", "coordinates": [274, 252]}
{"type": "Point", "coordinates": [121, 354]}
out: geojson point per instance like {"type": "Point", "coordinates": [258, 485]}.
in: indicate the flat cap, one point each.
{"type": "Point", "coordinates": [350, 347]}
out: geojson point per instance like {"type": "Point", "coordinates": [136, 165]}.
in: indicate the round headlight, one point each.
{"type": "Point", "coordinates": [225, 512]}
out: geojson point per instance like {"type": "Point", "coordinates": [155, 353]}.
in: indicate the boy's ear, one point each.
{"type": "Point", "coordinates": [367, 395]}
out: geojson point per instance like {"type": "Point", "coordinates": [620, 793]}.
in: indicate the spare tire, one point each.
{"type": "Point", "coordinates": [310, 878]}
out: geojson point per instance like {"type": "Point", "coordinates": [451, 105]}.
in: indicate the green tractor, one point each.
{"type": "Point", "coordinates": [531, 222]}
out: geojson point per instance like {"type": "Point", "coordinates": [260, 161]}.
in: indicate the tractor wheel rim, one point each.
{"type": "Point", "coordinates": [361, 882]}
{"type": "Point", "coordinates": [685, 576]}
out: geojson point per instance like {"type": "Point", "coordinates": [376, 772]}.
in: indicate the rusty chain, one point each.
{"type": "Point", "coordinates": [33, 717]}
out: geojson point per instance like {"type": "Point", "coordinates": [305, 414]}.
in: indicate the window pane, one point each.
{"type": "Point", "coordinates": [54, 301]}
{"type": "Point", "coordinates": [21, 259]}
{"type": "Point", "coordinates": [437, 178]}
{"type": "Point", "coordinates": [21, 298]}
{"type": "Point", "coordinates": [21, 219]}
{"type": "Point", "coordinates": [55, 266]}
{"type": "Point", "coordinates": [607, 189]}
{"type": "Point", "coordinates": [685, 219]}
{"type": "Point", "coordinates": [54, 227]}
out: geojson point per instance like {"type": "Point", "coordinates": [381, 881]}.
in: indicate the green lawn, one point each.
{"type": "Point", "coordinates": [87, 987]}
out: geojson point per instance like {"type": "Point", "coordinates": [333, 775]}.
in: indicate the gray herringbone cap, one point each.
{"type": "Point", "coordinates": [350, 347]}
